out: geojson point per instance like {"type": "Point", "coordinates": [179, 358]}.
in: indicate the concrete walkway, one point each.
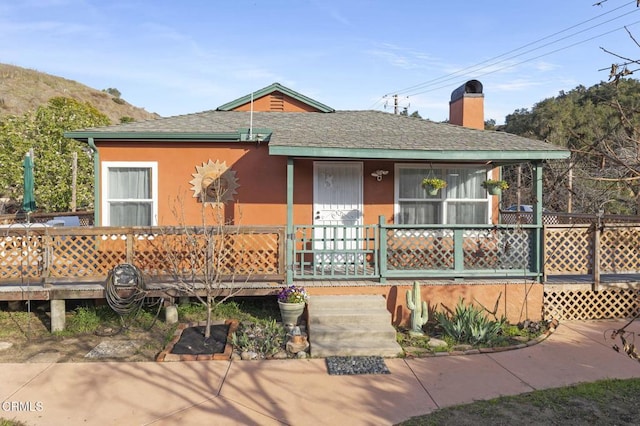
{"type": "Point", "coordinates": [300, 392]}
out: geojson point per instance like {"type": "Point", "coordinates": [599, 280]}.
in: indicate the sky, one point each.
{"type": "Point", "coordinates": [181, 57]}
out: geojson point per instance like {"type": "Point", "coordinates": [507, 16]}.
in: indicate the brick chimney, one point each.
{"type": "Point", "coordinates": [467, 105]}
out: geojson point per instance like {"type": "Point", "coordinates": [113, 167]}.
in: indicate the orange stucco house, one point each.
{"type": "Point", "coordinates": [346, 185]}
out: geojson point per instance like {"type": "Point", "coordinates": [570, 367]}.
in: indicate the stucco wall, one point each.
{"type": "Point", "coordinates": [261, 196]}
{"type": "Point", "coordinates": [517, 301]}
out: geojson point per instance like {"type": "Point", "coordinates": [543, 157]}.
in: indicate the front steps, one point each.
{"type": "Point", "coordinates": [351, 326]}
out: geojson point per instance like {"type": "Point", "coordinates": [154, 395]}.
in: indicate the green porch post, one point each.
{"type": "Point", "coordinates": [290, 229]}
{"type": "Point", "coordinates": [96, 182]}
{"type": "Point", "coordinates": [382, 252]}
{"type": "Point", "coordinates": [537, 218]}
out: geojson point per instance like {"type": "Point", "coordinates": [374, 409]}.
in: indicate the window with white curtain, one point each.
{"type": "Point", "coordinates": [463, 201]}
{"type": "Point", "coordinates": [130, 191]}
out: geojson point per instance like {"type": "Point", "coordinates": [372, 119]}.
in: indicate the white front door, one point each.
{"type": "Point", "coordinates": [337, 213]}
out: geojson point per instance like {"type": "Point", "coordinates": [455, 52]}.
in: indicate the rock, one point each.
{"type": "Point", "coordinates": [235, 356]}
{"type": "Point", "coordinates": [436, 343]}
{"type": "Point", "coordinates": [280, 355]}
{"type": "Point", "coordinates": [5, 345]}
{"type": "Point", "coordinates": [294, 348]}
{"type": "Point", "coordinates": [415, 350]}
{"type": "Point", "coordinates": [301, 355]}
{"type": "Point", "coordinates": [462, 348]}
{"type": "Point", "coordinates": [45, 357]}
{"type": "Point", "coordinates": [248, 355]}
{"type": "Point", "coordinates": [114, 349]}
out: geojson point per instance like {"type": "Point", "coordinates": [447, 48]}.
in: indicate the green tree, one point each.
{"type": "Point", "coordinates": [43, 131]}
{"type": "Point", "coordinates": [490, 124]}
{"type": "Point", "coordinates": [414, 114]}
{"type": "Point", "coordinates": [113, 92]}
{"type": "Point", "coordinates": [600, 126]}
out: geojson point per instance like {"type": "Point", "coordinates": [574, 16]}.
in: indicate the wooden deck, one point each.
{"type": "Point", "coordinates": [574, 264]}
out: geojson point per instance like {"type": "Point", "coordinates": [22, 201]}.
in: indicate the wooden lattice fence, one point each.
{"type": "Point", "coordinates": [568, 250]}
{"type": "Point", "coordinates": [619, 249]}
{"type": "Point", "coordinates": [86, 254]}
{"type": "Point", "coordinates": [591, 304]}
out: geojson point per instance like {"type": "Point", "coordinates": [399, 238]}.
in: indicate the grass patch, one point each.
{"type": "Point", "coordinates": [6, 422]}
{"type": "Point", "coordinates": [243, 309]}
{"type": "Point", "coordinates": [606, 402]}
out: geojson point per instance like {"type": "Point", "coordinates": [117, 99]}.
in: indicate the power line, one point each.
{"type": "Point", "coordinates": [474, 68]}
{"type": "Point", "coordinates": [527, 60]}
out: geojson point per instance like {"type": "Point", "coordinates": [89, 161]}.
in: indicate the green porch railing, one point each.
{"type": "Point", "coordinates": [414, 251]}
{"type": "Point", "coordinates": [335, 251]}
{"type": "Point", "coordinates": [457, 251]}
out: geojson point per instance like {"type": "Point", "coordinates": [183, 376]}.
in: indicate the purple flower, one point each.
{"type": "Point", "coordinates": [293, 294]}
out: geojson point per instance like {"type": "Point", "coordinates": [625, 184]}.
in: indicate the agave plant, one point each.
{"type": "Point", "coordinates": [469, 324]}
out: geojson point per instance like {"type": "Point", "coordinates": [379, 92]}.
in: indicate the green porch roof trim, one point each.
{"type": "Point", "coordinates": [275, 87]}
{"type": "Point", "coordinates": [396, 154]}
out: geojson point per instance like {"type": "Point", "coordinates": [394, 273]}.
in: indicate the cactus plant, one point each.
{"type": "Point", "coordinates": [419, 311]}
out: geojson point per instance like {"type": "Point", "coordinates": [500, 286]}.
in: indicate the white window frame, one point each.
{"type": "Point", "coordinates": [441, 199]}
{"type": "Point", "coordinates": [106, 165]}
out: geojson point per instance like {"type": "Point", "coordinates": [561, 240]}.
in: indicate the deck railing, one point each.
{"type": "Point", "coordinates": [335, 251]}
{"type": "Point", "coordinates": [85, 218]}
{"type": "Point", "coordinates": [592, 250]}
{"type": "Point", "coordinates": [452, 251]}
{"type": "Point", "coordinates": [88, 254]}
{"type": "Point", "coordinates": [382, 251]}
{"type": "Point", "coordinates": [417, 251]}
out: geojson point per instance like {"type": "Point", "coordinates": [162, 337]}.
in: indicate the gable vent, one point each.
{"type": "Point", "coordinates": [276, 102]}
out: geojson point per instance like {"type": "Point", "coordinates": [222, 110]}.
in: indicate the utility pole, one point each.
{"type": "Point", "coordinates": [396, 105]}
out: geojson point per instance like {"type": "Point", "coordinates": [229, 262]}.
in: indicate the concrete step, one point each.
{"type": "Point", "coordinates": [387, 350]}
{"type": "Point", "coordinates": [352, 319]}
{"type": "Point", "coordinates": [351, 326]}
{"type": "Point", "coordinates": [337, 302]}
{"type": "Point", "coordinates": [323, 332]}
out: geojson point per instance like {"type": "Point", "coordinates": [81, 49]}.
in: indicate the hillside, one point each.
{"type": "Point", "coordinates": [23, 89]}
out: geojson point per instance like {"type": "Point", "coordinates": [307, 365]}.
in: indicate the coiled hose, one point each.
{"type": "Point", "coordinates": [125, 278]}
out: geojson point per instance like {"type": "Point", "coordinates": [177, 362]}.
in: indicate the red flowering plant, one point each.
{"type": "Point", "coordinates": [293, 294]}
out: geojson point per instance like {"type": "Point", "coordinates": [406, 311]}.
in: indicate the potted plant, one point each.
{"type": "Point", "coordinates": [495, 187]}
{"type": "Point", "coordinates": [433, 185]}
{"type": "Point", "coordinates": [292, 300]}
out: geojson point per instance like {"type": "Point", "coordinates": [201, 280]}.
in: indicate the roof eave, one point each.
{"type": "Point", "coordinates": [441, 155]}
{"type": "Point", "coordinates": [204, 137]}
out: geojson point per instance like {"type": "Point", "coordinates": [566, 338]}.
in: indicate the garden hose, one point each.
{"type": "Point", "coordinates": [127, 278]}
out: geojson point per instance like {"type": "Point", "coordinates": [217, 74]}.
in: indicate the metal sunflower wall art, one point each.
{"type": "Point", "coordinates": [214, 183]}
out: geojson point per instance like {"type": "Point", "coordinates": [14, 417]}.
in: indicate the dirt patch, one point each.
{"type": "Point", "coordinates": [28, 335]}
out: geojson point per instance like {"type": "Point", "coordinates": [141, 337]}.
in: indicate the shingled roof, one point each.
{"type": "Point", "coordinates": [339, 134]}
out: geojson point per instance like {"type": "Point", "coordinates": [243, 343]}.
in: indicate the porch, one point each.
{"type": "Point", "coordinates": [53, 256]}
{"type": "Point", "coordinates": [579, 271]}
